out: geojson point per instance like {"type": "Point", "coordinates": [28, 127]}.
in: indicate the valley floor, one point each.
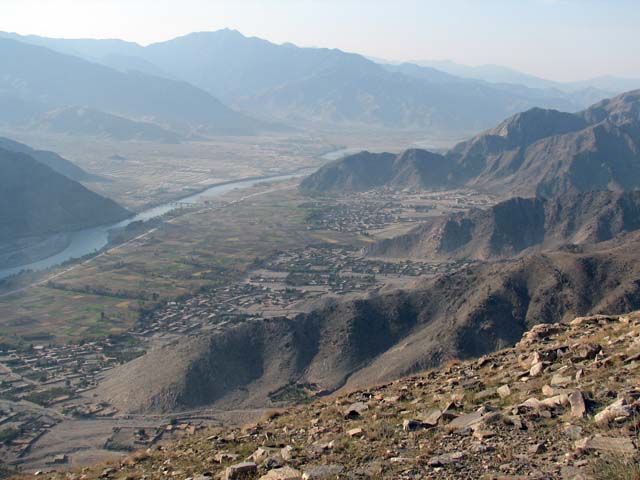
{"type": "Point", "coordinates": [253, 254]}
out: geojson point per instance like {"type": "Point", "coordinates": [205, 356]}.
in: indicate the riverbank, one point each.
{"type": "Point", "coordinates": [93, 240]}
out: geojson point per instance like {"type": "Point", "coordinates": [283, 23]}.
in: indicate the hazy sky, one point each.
{"type": "Point", "coordinates": [558, 39]}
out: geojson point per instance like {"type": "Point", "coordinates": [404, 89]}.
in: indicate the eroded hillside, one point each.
{"type": "Point", "coordinates": [471, 312]}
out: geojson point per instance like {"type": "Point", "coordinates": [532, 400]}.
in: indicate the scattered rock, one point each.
{"type": "Point", "coordinates": [585, 351]}
{"type": "Point", "coordinates": [225, 457]}
{"type": "Point", "coordinates": [574, 432]}
{"type": "Point", "coordinates": [287, 453]}
{"type": "Point", "coordinates": [445, 459]}
{"type": "Point", "coordinates": [557, 401]}
{"type": "Point", "coordinates": [536, 369]}
{"type": "Point", "coordinates": [262, 454]}
{"type": "Point", "coordinates": [107, 472]}
{"type": "Point", "coordinates": [483, 434]}
{"type": "Point", "coordinates": [536, 449]}
{"type": "Point", "coordinates": [411, 425]}
{"type": "Point", "coordinates": [560, 381]}
{"type": "Point", "coordinates": [432, 418]}
{"type": "Point", "coordinates": [464, 421]}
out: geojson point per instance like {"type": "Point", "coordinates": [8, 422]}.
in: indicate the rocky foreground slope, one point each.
{"type": "Point", "coordinates": [563, 403]}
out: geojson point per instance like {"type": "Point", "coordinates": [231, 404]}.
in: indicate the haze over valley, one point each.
{"type": "Point", "coordinates": [224, 256]}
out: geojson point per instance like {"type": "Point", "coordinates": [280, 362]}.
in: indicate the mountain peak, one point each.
{"type": "Point", "coordinates": [532, 125]}
{"type": "Point", "coordinates": [620, 109]}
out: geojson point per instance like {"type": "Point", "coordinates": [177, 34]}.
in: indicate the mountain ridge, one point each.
{"type": "Point", "coordinates": [36, 200]}
{"type": "Point", "coordinates": [50, 159]}
{"type": "Point", "coordinates": [318, 86]}
{"type": "Point", "coordinates": [533, 153]}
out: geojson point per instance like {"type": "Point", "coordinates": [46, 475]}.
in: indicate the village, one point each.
{"type": "Point", "coordinates": [53, 383]}
{"type": "Point", "coordinates": [285, 285]}
{"type": "Point", "coordinates": [370, 213]}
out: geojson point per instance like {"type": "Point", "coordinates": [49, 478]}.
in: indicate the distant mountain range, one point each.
{"type": "Point", "coordinates": [36, 200]}
{"type": "Point", "coordinates": [34, 80]}
{"type": "Point", "coordinates": [535, 153]}
{"type": "Point", "coordinates": [95, 123]}
{"type": "Point", "coordinates": [298, 86]}
{"type": "Point", "coordinates": [501, 74]}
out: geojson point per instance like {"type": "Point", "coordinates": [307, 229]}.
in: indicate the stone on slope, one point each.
{"type": "Point", "coordinates": [617, 410]}
{"type": "Point", "coordinates": [616, 445]}
{"type": "Point", "coordinates": [465, 421]}
{"type": "Point", "coordinates": [432, 418]}
{"type": "Point", "coordinates": [323, 472]}
{"type": "Point", "coordinates": [284, 473]}
{"type": "Point", "coordinates": [236, 471]}
{"type": "Point", "coordinates": [504, 391]}
{"type": "Point", "coordinates": [355, 410]}
{"type": "Point", "coordinates": [578, 407]}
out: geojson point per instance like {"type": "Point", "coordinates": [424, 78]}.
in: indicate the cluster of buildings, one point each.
{"type": "Point", "coordinates": [53, 374]}
{"type": "Point", "coordinates": [363, 212]}
{"type": "Point", "coordinates": [353, 217]}
{"type": "Point", "coordinates": [133, 437]}
{"type": "Point", "coordinates": [278, 286]}
{"type": "Point", "coordinates": [20, 428]}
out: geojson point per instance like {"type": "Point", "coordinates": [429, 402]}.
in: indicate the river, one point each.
{"type": "Point", "coordinates": [92, 240]}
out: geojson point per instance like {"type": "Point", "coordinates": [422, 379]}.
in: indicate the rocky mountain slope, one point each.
{"type": "Point", "coordinates": [36, 200]}
{"type": "Point", "coordinates": [534, 153]}
{"type": "Point", "coordinates": [517, 224]}
{"type": "Point", "coordinates": [562, 403]}
{"type": "Point", "coordinates": [50, 159]}
{"type": "Point", "coordinates": [363, 171]}
{"type": "Point", "coordinates": [469, 313]}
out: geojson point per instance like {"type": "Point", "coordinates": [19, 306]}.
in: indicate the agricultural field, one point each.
{"type": "Point", "coordinates": [197, 249]}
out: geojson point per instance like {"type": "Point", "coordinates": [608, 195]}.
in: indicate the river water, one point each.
{"type": "Point", "coordinates": [92, 240]}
